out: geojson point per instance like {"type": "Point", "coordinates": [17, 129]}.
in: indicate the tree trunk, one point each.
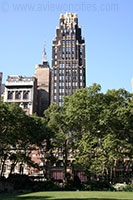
{"type": "Point", "coordinates": [3, 165]}
{"type": "Point", "coordinates": [65, 163]}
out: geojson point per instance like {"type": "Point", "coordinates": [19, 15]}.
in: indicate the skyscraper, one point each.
{"type": "Point", "coordinates": [42, 73]}
{"type": "Point", "coordinates": [68, 58]}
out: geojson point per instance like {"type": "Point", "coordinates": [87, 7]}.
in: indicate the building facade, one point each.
{"type": "Point", "coordinates": [22, 90]}
{"type": "Point", "coordinates": [68, 59]}
{"type": "Point", "coordinates": [0, 83]}
{"type": "Point", "coordinates": [42, 73]}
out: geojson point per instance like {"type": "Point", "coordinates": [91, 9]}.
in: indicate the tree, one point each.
{"type": "Point", "coordinates": [11, 117]}
{"type": "Point", "coordinates": [19, 135]}
{"type": "Point", "coordinates": [109, 139]}
{"type": "Point", "coordinates": [62, 138]}
{"type": "Point", "coordinates": [103, 123]}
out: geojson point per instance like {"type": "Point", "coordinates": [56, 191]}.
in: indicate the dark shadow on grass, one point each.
{"type": "Point", "coordinates": [18, 197]}
{"type": "Point", "coordinates": [52, 198]}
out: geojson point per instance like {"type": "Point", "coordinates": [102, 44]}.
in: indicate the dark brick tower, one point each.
{"type": "Point", "coordinates": [68, 58]}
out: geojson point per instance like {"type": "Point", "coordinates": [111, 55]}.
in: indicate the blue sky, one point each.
{"type": "Point", "coordinates": [107, 26]}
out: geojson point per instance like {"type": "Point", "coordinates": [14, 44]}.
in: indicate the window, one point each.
{"type": "Point", "coordinates": [67, 32]}
{"type": "Point", "coordinates": [80, 50]}
{"type": "Point", "coordinates": [67, 65]}
{"type": "Point", "coordinates": [80, 71]}
{"type": "Point", "coordinates": [68, 78]}
{"type": "Point", "coordinates": [73, 49]}
{"type": "Point", "coordinates": [63, 56]}
{"type": "Point", "coordinates": [55, 50]}
{"type": "Point", "coordinates": [54, 97]}
{"type": "Point", "coordinates": [68, 91]}
{"type": "Point", "coordinates": [68, 56]}
{"type": "Point", "coordinates": [60, 103]}
{"type": "Point", "coordinates": [55, 57]}
{"type": "Point", "coordinates": [63, 42]}
{"type": "Point", "coordinates": [80, 83]}
{"type": "Point", "coordinates": [55, 71]}
{"type": "Point", "coordinates": [60, 155]}
{"type": "Point", "coordinates": [68, 49]}
{"type": "Point", "coordinates": [72, 32]}
{"type": "Point", "coordinates": [61, 78]}
{"type": "Point", "coordinates": [74, 78]}
{"type": "Point", "coordinates": [32, 171]}
{"type": "Point", "coordinates": [72, 55]}
{"type": "Point", "coordinates": [18, 95]}
{"type": "Point", "coordinates": [74, 84]}
{"type": "Point", "coordinates": [68, 42]}
{"type": "Point", "coordinates": [25, 105]}
{"type": "Point", "coordinates": [25, 95]}
{"type": "Point", "coordinates": [60, 97]}
{"type": "Point", "coordinates": [33, 155]}
{"type": "Point", "coordinates": [63, 31]}
{"type": "Point", "coordinates": [73, 65]}
{"type": "Point", "coordinates": [68, 72]}
{"type": "Point", "coordinates": [55, 84]}
{"type": "Point", "coordinates": [54, 90]}
{"type": "Point", "coordinates": [61, 71]}
{"type": "Point", "coordinates": [63, 49]}
{"type": "Point", "coordinates": [74, 71]}
{"type": "Point", "coordinates": [41, 163]}
{"type": "Point", "coordinates": [73, 90]}
{"type": "Point", "coordinates": [61, 90]}
{"type": "Point", "coordinates": [61, 65]}
{"type": "Point", "coordinates": [55, 78]}
{"type": "Point", "coordinates": [10, 95]}
{"type": "Point", "coordinates": [55, 62]}
{"type": "Point", "coordinates": [68, 83]}
{"type": "Point", "coordinates": [61, 83]}
{"type": "Point", "coordinates": [73, 42]}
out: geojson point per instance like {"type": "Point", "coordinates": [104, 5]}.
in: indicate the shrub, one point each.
{"type": "Point", "coordinates": [45, 186]}
{"type": "Point", "coordinates": [97, 185]}
{"type": "Point", "coordinates": [123, 187]}
{"type": "Point", "coordinates": [20, 181]}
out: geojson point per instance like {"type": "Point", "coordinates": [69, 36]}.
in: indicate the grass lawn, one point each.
{"type": "Point", "coordinates": [77, 195]}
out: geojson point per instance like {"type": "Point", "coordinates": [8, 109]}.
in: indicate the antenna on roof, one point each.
{"type": "Point", "coordinates": [44, 57]}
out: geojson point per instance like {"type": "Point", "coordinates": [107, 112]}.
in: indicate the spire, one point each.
{"type": "Point", "coordinates": [44, 58]}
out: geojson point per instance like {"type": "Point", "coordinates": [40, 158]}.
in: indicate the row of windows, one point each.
{"type": "Point", "coordinates": [68, 32]}
{"type": "Point", "coordinates": [67, 56]}
{"type": "Point", "coordinates": [18, 94]}
{"type": "Point", "coordinates": [61, 84]}
{"type": "Point", "coordinates": [61, 71]}
{"type": "Point", "coordinates": [68, 49]}
{"type": "Point", "coordinates": [68, 42]}
{"type": "Point", "coordinates": [68, 65]}
{"type": "Point", "coordinates": [67, 78]}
